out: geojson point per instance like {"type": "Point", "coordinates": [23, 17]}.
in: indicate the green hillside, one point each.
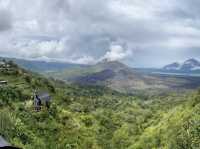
{"type": "Point", "coordinates": [82, 117]}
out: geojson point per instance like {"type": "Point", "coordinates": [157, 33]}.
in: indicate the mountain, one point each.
{"type": "Point", "coordinates": [72, 73]}
{"type": "Point", "coordinates": [83, 117]}
{"type": "Point", "coordinates": [190, 65]}
{"type": "Point", "coordinates": [113, 65]}
{"type": "Point", "coordinates": [122, 78]}
{"type": "Point", "coordinates": [105, 70]}
{"type": "Point", "coordinates": [43, 66]}
{"type": "Point", "coordinates": [112, 74]}
{"type": "Point", "coordinates": [173, 66]}
{"type": "Point", "coordinates": [187, 66]}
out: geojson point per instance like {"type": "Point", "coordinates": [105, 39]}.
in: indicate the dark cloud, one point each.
{"type": "Point", "coordinates": [5, 20]}
{"type": "Point", "coordinates": [189, 8]}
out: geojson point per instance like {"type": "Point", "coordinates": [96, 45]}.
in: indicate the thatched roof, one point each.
{"type": "Point", "coordinates": [44, 96]}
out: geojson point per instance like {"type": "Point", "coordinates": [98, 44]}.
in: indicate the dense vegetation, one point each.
{"type": "Point", "coordinates": [95, 118]}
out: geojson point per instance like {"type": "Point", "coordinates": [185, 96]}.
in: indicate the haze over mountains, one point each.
{"type": "Point", "coordinates": [42, 66]}
{"type": "Point", "coordinates": [117, 75]}
{"type": "Point", "coordinates": [187, 66]}
{"type": "Point", "coordinates": [122, 78]}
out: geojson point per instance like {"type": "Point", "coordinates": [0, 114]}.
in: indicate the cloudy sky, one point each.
{"type": "Point", "coordinates": [141, 33]}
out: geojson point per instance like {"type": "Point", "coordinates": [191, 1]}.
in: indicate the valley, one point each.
{"type": "Point", "coordinates": [95, 116]}
{"type": "Point", "coordinates": [122, 78]}
{"type": "Point", "coordinates": [95, 74]}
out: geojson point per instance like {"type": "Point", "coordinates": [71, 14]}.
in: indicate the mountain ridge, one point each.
{"type": "Point", "coordinates": [114, 75]}
{"type": "Point", "coordinates": [187, 66]}
{"type": "Point", "coordinates": [122, 78]}
{"type": "Point", "coordinates": [41, 65]}
{"type": "Point", "coordinates": [82, 117]}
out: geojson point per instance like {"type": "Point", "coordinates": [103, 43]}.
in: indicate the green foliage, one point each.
{"type": "Point", "coordinates": [82, 117]}
{"type": "Point", "coordinates": [9, 95]}
{"type": "Point", "coordinates": [6, 123]}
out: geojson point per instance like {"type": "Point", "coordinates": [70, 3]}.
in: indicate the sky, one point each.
{"type": "Point", "coordinates": [140, 33]}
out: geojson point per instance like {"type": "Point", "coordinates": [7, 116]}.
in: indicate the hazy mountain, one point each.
{"type": "Point", "coordinates": [173, 66]}
{"type": "Point", "coordinates": [72, 73]}
{"type": "Point", "coordinates": [114, 74]}
{"type": "Point", "coordinates": [43, 66]}
{"type": "Point", "coordinates": [114, 65]}
{"type": "Point", "coordinates": [122, 78]}
{"type": "Point", "coordinates": [105, 70]}
{"type": "Point", "coordinates": [187, 66]}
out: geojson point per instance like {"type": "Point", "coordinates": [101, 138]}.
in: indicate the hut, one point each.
{"type": "Point", "coordinates": [2, 63]}
{"type": "Point", "coordinates": [41, 99]}
{"type": "Point", "coordinates": [2, 82]}
{"type": "Point", "coordinates": [5, 145]}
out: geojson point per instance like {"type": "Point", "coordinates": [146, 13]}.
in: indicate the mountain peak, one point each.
{"type": "Point", "coordinates": [188, 65]}
{"type": "Point", "coordinates": [113, 65]}
{"type": "Point", "coordinates": [173, 66]}
{"type": "Point", "coordinates": [105, 60]}
{"type": "Point", "coordinates": [192, 61]}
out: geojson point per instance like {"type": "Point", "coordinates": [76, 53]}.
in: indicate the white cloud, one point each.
{"type": "Point", "coordinates": [63, 28]}
{"type": "Point", "coordinates": [35, 48]}
{"type": "Point", "coordinates": [85, 59]}
{"type": "Point", "coordinates": [117, 52]}
{"type": "Point", "coordinates": [78, 60]}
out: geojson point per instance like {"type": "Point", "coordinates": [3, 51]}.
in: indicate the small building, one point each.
{"type": "Point", "coordinates": [5, 145]}
{"type": "Point", "coordinates": [41, 99]}
{"type": "Point", "coordinates": [2, 63]}
{"type": "Point", "coordinates": [3, 82]}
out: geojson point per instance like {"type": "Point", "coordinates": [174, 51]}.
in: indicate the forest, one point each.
{"type": "Point", "coordinates": [82, 117]}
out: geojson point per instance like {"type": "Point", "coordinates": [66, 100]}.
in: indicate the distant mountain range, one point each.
{"type": "Point", "coordinates": [120, 77]}
{"type": "Point", "coordinates": [43, 66]}
{"type": "Point", "coordinates": [117, 75]}
{"type": "Point", "coordinates": [190, 65]}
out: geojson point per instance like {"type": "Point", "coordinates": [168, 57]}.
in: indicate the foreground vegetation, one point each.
{"type": "Point", "coordinates": [95, 118]}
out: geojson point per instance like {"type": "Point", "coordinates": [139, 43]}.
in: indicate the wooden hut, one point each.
{"type": "Point", "coordinates": [41, 99]}
{"type": "Point", "coordinates": [2, 82]}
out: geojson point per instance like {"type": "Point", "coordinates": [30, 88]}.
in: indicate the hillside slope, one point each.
{"type": "Point", "coordinates": [94, 117]}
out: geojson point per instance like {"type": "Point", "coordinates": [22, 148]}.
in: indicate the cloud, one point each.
{"type": "Point", "coordinates": [84, 31]}
{"type": "Point", "coordinates": [5, 20]}
{"type": "Point", "coordinates": [78, 60]}
{"type": "Point", "coordinates": [85, 59]}
{"type": "Point", "coordinates": [36, 48]}
{"type": "Point", "coordinates": [117, 52]}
